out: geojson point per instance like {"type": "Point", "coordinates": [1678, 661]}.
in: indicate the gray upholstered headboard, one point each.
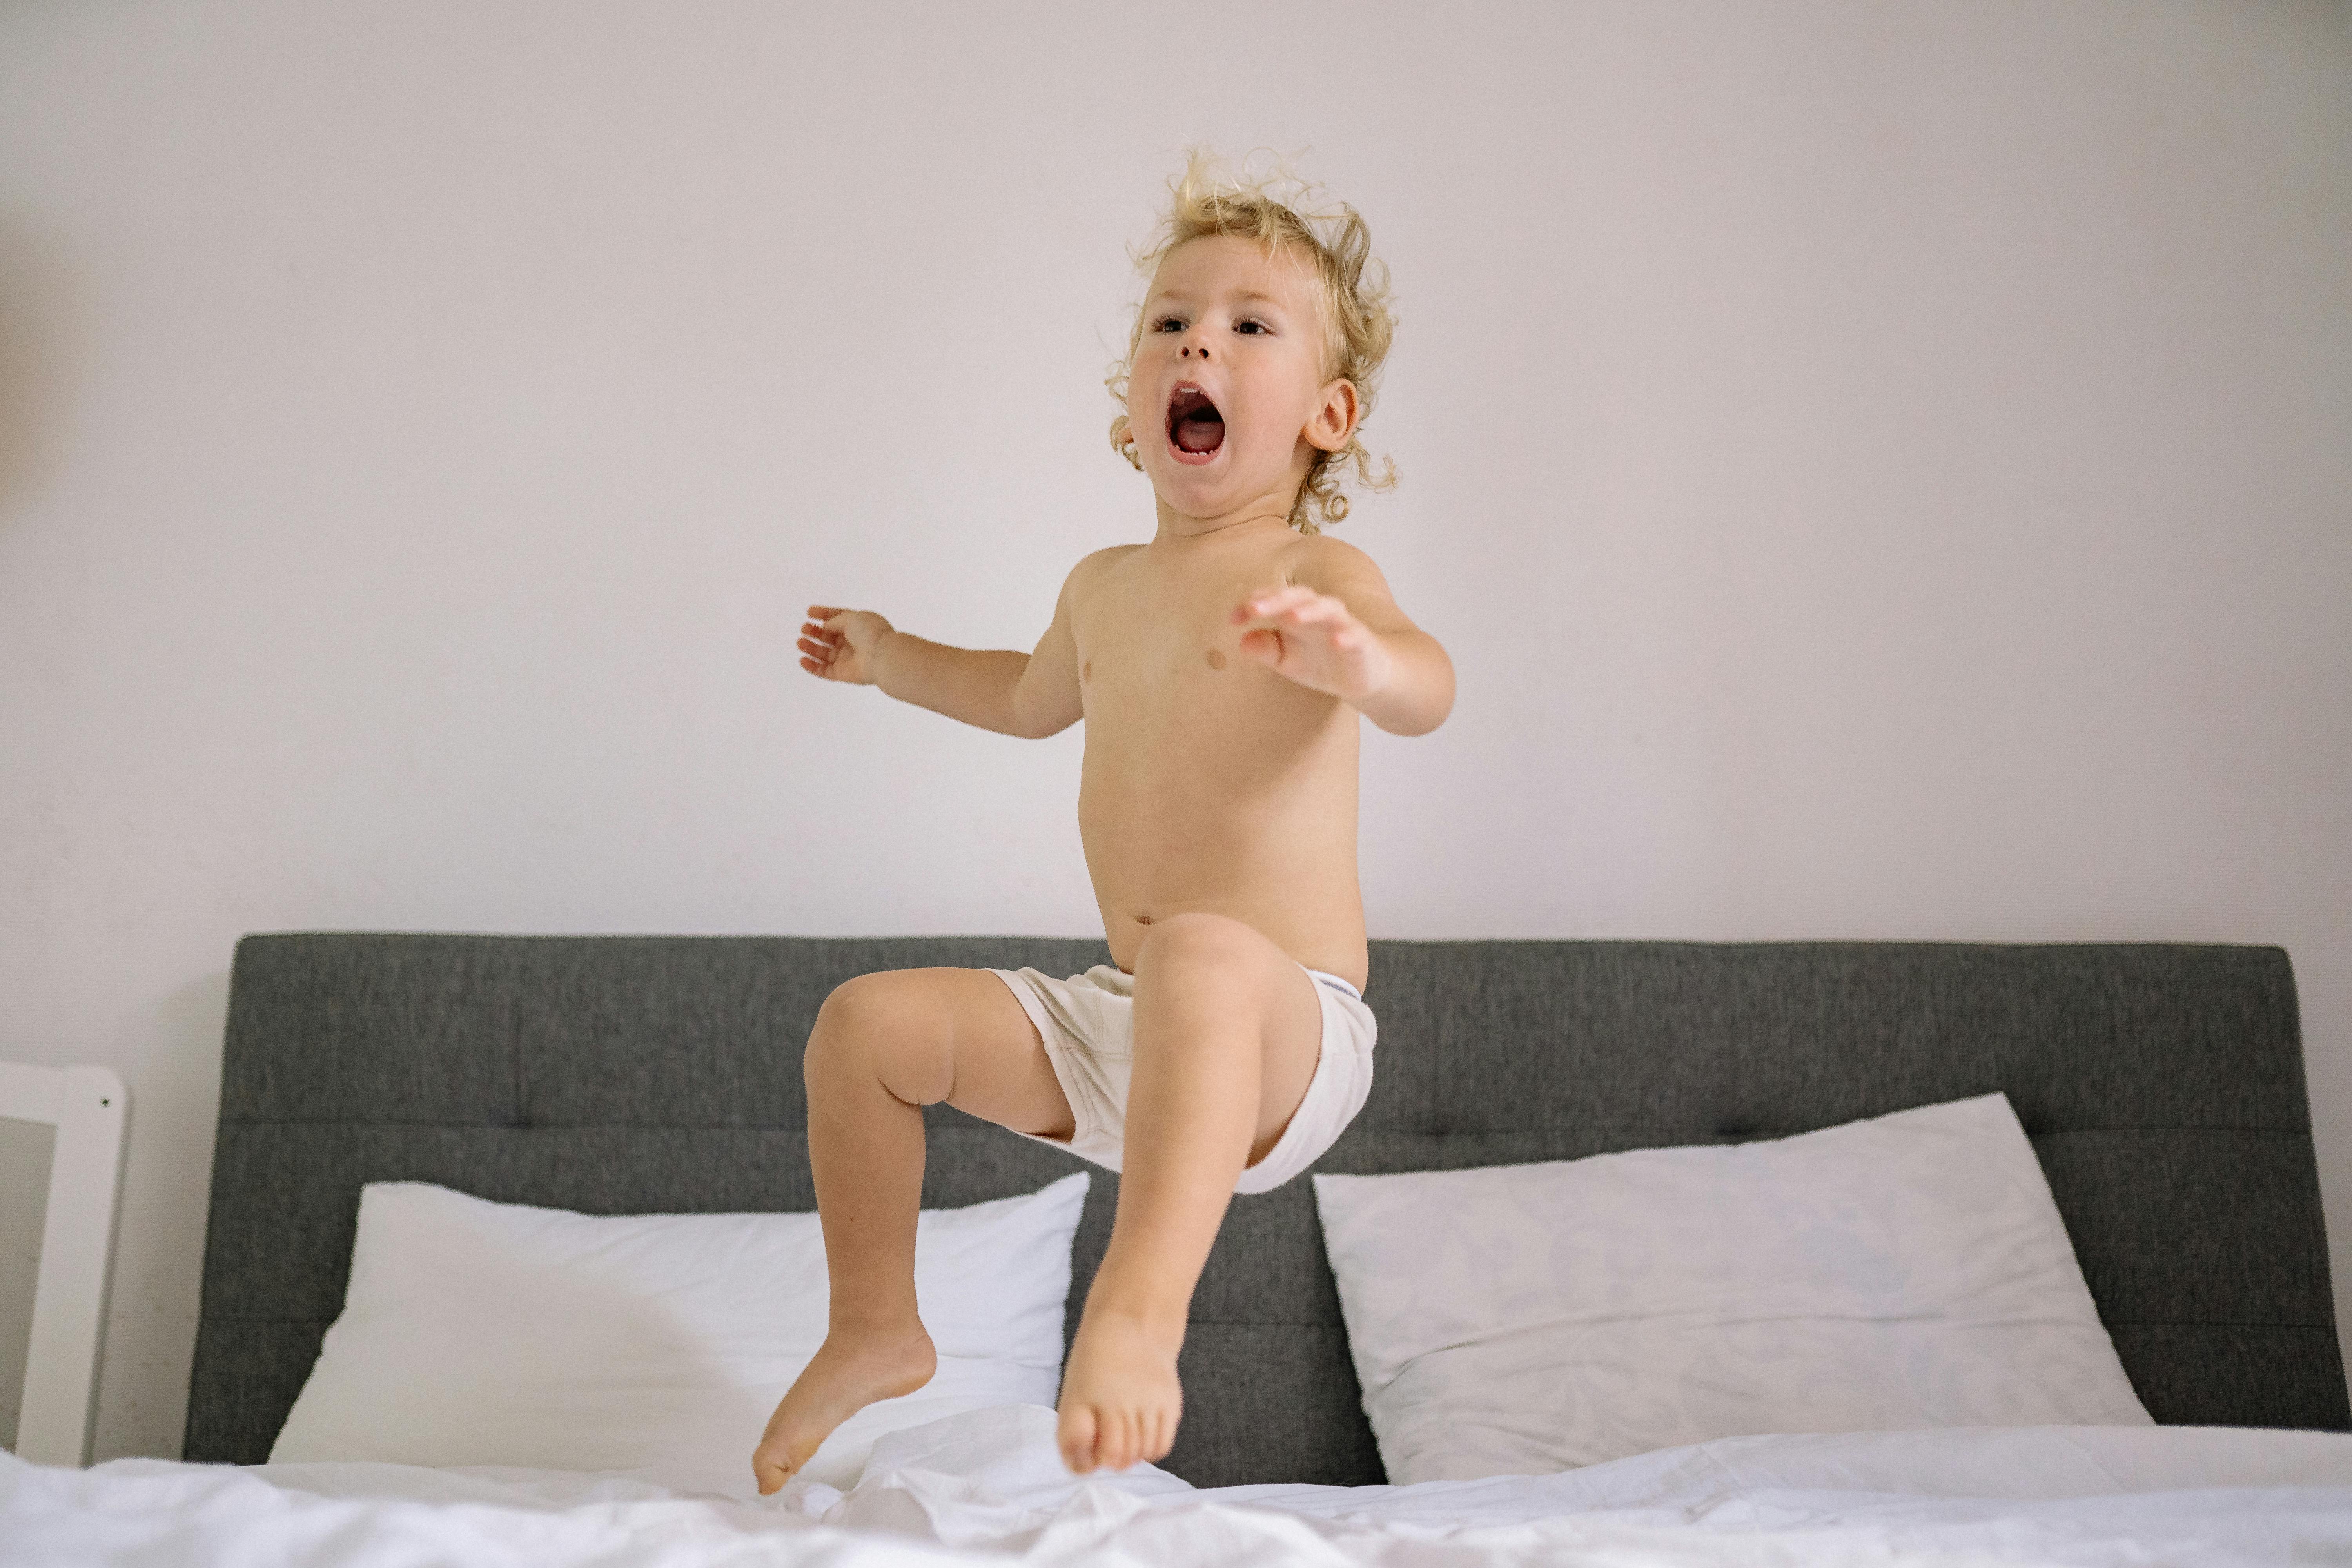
{"type": "Point", "coordinates": [2163, 1086]}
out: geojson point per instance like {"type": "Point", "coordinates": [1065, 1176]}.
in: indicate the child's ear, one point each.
{"type": "Point", "coordinates": [1333, 420]}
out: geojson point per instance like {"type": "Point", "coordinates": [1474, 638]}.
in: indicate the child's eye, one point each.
{"type": "Point", "coordinates": [1251, 325]}
{"type": "Point", "coordinates": [1168, 324]}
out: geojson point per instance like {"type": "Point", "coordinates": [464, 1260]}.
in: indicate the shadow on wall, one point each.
{"type": "Point", "coordinates": [40, 311]}
{"type": "Point", "coordinates": [159, 1246]}
{"type": "Point", "coordinates": [37, 315]}
{"type": "Point", "coordinates": [25, 1152]}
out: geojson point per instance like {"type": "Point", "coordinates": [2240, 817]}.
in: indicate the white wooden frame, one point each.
{"type": "Point", "coordinates": [90, 1109]}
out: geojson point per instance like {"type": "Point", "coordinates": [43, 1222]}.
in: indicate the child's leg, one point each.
{"type": "Point", "coordinates": [885, 1045]}
{"type": "Point", "coordinates": [1228, 1030]}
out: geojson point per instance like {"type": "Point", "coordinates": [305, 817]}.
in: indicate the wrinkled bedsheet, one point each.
{"type": "Point", "coordinates": [987, 1487]}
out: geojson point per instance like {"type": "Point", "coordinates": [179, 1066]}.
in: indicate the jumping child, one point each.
{"type": "Point", "coordinates": [1220, 668]}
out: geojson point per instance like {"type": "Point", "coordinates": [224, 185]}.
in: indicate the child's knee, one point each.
{"type": "Point", "coordinates": [878, 1024]}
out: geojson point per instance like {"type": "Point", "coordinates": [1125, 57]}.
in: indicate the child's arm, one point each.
{"type": "Point", "coordinates": [1028, 694]}
{"type": "Point", "coordinates": [1335, 627]}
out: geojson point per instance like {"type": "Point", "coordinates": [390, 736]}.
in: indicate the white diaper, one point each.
{"type": "Point", "coordinates": [1087, 1023]}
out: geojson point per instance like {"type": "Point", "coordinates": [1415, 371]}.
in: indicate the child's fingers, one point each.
{"type": "Point", "coordinates": [1314, 611]}
{"type": "Point", "coordinates": [1264, 602]}
{"type": "Point", "coordinates": [1268, 600]}
{"type": "Point", "coordinates": [1297, 606]}
{"type": "Point", "coordinates": [1325, 622]}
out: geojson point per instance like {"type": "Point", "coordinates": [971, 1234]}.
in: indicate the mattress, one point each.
{"type": "Point", "coordinates": [987, 1485]}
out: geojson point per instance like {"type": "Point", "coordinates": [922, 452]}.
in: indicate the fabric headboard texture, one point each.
{"type": "Point", "coordinates": [2162, 1087]}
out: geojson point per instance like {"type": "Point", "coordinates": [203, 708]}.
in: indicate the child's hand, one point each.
{"type": "Point", "coordinates": [1315, 639]}
{"type": "Point", "coordinates": [839, 644]}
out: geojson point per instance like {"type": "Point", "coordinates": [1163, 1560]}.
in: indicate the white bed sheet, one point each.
{"type": "Point", "coordinates": [987, 1485]}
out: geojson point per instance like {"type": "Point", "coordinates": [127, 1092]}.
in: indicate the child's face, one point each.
{"type": "Point", "coordinates": [1227, 398]}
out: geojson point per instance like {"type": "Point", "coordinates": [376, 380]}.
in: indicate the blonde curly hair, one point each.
{"type": "Point", "coordinates": [1279, 210]}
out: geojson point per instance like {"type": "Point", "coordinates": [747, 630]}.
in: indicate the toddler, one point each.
{"type": "Point", "coordinates": [1220, 668]}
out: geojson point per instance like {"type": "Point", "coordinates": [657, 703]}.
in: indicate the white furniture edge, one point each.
{"type": "Point", "coordinates": [90, 1108]}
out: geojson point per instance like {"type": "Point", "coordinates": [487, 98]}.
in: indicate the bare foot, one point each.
{"type": "Point", "coordinates": [1121, 1396]}
{"type": "Point", "coordinates": [848, 1373]}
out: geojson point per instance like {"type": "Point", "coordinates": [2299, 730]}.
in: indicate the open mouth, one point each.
{"type": "Point", "coordinates": [1194, 426]}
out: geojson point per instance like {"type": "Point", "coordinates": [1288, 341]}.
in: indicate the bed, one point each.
{"type": "Point", "coordinates": [2161, 1086]}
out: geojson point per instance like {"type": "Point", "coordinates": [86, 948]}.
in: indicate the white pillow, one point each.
{"type": "Point", "coordinates": [485, 1333]}
{"type": "Point", "coordinates": [1906, 1271]}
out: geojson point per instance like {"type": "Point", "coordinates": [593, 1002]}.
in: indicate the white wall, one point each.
{"type": "Point", "coordinates": [1882, 471]}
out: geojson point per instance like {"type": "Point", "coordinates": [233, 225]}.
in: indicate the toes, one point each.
{"type": "Point", "coordinates": [1130, 1437]}
{"type": "Point", "coordinates": [1079, 1435]}
{"type": "Point", "coordinates": [1117, 1440]}
{"type": "Point", "coordinates": [1093, 1437]}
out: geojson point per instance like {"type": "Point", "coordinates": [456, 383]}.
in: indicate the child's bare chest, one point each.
{"type": "Point", "coordinates": [1157, 646]}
